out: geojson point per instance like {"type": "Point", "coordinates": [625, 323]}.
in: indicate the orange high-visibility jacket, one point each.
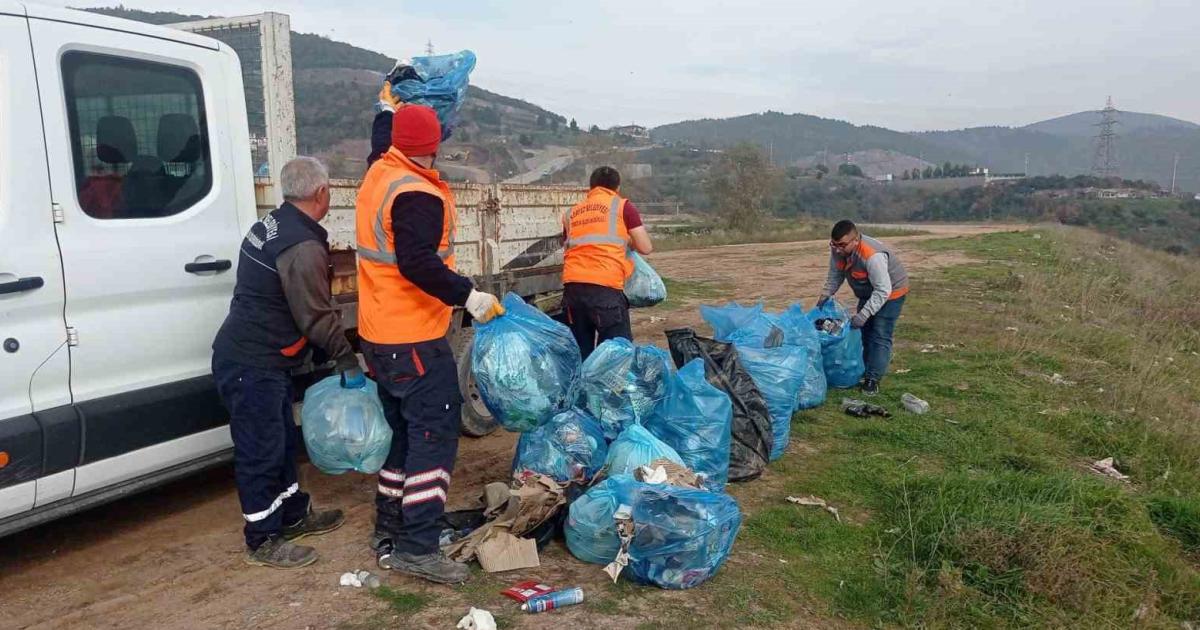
{"type": "Point", "coordinates": [597, 250]}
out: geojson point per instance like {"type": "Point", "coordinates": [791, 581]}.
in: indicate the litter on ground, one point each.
{"type": "Point", "coordinates": [812, 501]}
{"type": "Point", "coordinates": [1107, 468]}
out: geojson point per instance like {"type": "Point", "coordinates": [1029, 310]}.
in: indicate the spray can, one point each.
{"type": "Point", "coordinates": [557, 599]}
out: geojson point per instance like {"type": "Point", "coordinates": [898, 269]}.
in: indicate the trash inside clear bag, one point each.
{"type": "Point", "coordinates": [525, 365]}
{"type": "Point", "coordinates": [569, 448]}
{"type": "Point", "coordinates": [345, 429]}
{"type": "Point", "coordinates": [842, 349]}
{"type": "Point", "coordinates": [622, 384]}
{"type": "Point", "coordinates": [645, 287]}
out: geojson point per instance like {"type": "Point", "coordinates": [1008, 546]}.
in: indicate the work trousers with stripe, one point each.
{"type": "Point", "coordinates": [265, 443]}
{"type": "Point", "coordinates": [418, 387]}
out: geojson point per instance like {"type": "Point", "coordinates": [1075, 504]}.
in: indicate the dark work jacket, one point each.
{"type": "Point", "coordinates": [259, 330]}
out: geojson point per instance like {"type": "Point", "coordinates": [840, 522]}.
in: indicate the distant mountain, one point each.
{"type": "Point", "coordinates": [1083, 124]}
{"type": "Point", "coordinates": [793, 137]}
{"type": "Point", "coordinates": [1146, 143]}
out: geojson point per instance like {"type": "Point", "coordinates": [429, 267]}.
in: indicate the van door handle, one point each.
{"type": "Point", "coordinates": [22, 284]}
{"type": "Point", "coordinates": [212, 265]}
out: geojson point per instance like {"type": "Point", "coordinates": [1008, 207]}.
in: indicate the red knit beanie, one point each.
{"type": "Point", "coordinates": [416, 130]}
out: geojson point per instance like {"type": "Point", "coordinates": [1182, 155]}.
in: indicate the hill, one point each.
{"type": "Point", "coordinates": [1146, 143]}
{"type": "Point", "coordinates": [793, 137]}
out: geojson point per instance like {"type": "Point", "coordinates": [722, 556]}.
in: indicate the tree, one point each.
{"type": "Point", "coordinates": [916, 173]}
{"type": "Point", "coordinates": [541, 121]}
{"type": "Point", "coordinates": [594, 129]}
{"type": "Point", "coordinates": [742, 185]}
{"type": "Point", "coordinates": [574, 125]}
{"type": "Point", "coordinates": [906, 175]}
{"type": "Point", "coordinates": [928, 173]}
{"type": "Point", "coordinates": [938, 173]}
{"type": "Point", "coordinates": [822, 169]}
{"type": "Point", "coordinates": [850, 170]}
{"type": "Point", "coordinates": [946, 170]}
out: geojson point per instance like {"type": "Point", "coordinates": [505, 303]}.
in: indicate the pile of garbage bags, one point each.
{"type": "Point", "coordinates": [841, 344]}
{"type": "Point", "coordinates": [570, 448]}
{"type": "Point", "coordinates": [697, 423]}
{"type": "Point", "coordinates": [525, 365]}
{"type": "Point", "coordinates": [680, 536]}
{"type": "Point", "coordinates": [437, 81]}
{"type": "Point", "coordinates": [644, 287]}
{"type": "Point", "coordinates": [345, 429]}
{"type": "Point", "coordinates": [622, 384]}
{"type": "Point", "coordinates": [779, 357]}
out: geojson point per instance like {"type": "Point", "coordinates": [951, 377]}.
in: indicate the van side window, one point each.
{"type": "Point", "coordinates": [138, 135]}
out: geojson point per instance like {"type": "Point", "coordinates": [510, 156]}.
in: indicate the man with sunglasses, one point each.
{"type": "Point", "coordinates": [880, 283]}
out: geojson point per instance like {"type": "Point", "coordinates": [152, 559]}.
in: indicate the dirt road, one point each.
{"type": "Point", "coordinates": [172, 558]}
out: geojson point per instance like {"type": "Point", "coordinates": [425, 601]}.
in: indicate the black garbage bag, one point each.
{"type": "Point", "coordinates": [750, 447]}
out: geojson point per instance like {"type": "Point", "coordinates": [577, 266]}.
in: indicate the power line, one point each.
{"type": "Point", "coordinates": [1104, 161]}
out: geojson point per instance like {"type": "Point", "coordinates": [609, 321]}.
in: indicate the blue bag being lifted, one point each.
{"type": "Point", "coordinates": [645, 287]}
{"type": "Point", "coordinates": [345, 429]}
{"type": "Point", "coordinates": [841, 345]}
{"type": "Point", "coordinates": [525, 365]}
{"type": "Point", "coordinates": [697, 423]}
{"type": "Point", "coordinates": [569, 448]}
{"type": "Point", "coordinates": [437, 81]}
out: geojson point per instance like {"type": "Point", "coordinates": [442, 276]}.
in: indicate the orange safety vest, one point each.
{"type": "Point", "coordinates": [391, 309]}
{"type": "Point", "coordinates": [597, 250]}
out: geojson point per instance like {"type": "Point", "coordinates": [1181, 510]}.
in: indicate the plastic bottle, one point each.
{"type": "Point", "coordinates": [557, 599]}
{"type": "Point", "coordinates": [914, 404]}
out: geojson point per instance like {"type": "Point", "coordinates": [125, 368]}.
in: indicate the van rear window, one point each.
{"type": "Point", "coordinates": [139, 136]}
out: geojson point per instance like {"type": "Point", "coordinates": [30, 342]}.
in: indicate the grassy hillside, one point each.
{"type": "Point", "coordinates": [1084, 124]}
{"type": "Point", "coordinates": [984, 513]}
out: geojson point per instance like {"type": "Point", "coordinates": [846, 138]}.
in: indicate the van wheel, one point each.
{"type": "Point", "coordinates": [477, 421]}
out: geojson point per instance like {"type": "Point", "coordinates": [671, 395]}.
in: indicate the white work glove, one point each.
{"type": "Point", "coordinates": [483, 306]}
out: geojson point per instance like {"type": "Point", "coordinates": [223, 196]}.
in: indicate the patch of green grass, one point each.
{"type": "Point", "coordinates": [401, 602]}
{"type": "Point", "coordinates": [681, 291]}
{"type": "Point", "coordinates": [1177, 517]}
{"type": "Point", "coordinates": [779, 231]}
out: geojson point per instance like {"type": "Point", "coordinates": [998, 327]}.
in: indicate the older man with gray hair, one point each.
{"type": "Point", "coordinates": [281, 309]}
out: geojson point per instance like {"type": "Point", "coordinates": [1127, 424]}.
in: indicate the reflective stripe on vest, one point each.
{"type": "Point", "coordinates": [388, 256]}
{"type": "Point", "coordinates": [612, 238]}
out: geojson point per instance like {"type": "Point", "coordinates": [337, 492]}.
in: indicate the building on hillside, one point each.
{"type": "Point", "coordinates": [885, 177]}
{"type": "Point", "coordinates": [633, 131]}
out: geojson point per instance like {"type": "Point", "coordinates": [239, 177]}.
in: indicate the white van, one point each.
{"type": "Point", "coordinates": [126, 185]}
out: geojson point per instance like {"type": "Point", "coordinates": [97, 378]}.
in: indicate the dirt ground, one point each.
{"type": "Point", "coordinates": [172, 558]}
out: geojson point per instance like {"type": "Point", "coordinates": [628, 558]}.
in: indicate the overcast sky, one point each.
{"type": "Point", "coordinates": [908, 65]}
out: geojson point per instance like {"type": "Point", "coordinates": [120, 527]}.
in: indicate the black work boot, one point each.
{"type": "Point", "coordinates": [434, 567]}
{"type": "Point", "coordinates": [314, 523]}
{"type": "Point", "coordinates": [279, 553]}
{"type": "Point", "coordinates": [870, 386]}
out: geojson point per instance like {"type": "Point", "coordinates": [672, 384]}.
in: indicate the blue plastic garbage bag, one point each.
{"type": "Point", "coordinates": [799, 330]}
{"type": "Point", "coordinates": [637, 447]}
{"type": "Point", "coordinates": [345, 429]}
{"type": "Point", "coordinates": [841, 351]}
{"type": "Point", "coordinates": [438, 81]}
{"type": "Point", "coordinates": [622, 384]}
{"type": "Point", "coordinates": [778, 372]}
{"type": "Point", "coordinates": [525, 365]}
{"type": "Point", "coordinates": [697, 422]}
{"type": "Point", "coordinates": [731, 318]}
{"type": "Point", "coordinates": [589, 529]}
{"type": "Point", "coordinates": [569, 448]}
{"type": "Point", "coordinates": [645, 287]}
{"type": "Point", "coordinates": [681, 536]}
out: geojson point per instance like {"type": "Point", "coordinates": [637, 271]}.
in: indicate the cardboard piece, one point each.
{"type": "Point", "coordinates": [497, 543]}
{"type": "Point", "coordinates": [504, 552]}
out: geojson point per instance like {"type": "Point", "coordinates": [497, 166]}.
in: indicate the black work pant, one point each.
{"type": "Point", "coordinates": [265, 444]}
{"type": "Point", "coordinates": [418, 387]}
{"type": "Point", "coordinates": [595, 314]}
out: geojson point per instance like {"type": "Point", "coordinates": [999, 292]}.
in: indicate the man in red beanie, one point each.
{"type": "Point", "coordinates": [407, 291]}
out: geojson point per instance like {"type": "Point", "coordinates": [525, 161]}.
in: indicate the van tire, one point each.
{"type": "Point", "coordinates": [477, 421]}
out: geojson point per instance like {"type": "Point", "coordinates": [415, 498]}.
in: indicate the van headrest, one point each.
{"type": "Point", "coordinates": [116, 142]}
